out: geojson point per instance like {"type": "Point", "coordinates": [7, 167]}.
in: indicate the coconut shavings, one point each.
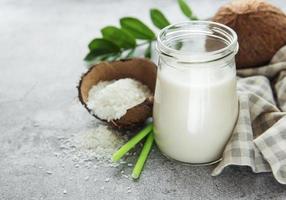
{"type": "Point", "coordinates": [110, 100]}
{"type": "Point", "coordinates": [94, 144]}
{"type": "Point", "coordinates": [102, 141]}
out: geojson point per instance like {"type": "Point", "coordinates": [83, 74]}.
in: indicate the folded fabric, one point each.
{"type": "Point", "coordinates": [259, 137]}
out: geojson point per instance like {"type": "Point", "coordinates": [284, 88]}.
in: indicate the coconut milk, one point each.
{"type": "Point", "coordinates": [195, 111]}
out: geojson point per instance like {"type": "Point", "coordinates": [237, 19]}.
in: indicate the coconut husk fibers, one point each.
{"type": "Point", "coordinates": [261, 30]}
{"type": "Point", "coordinates": [139, 69]}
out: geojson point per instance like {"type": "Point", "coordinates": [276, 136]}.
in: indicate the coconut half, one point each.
{"type": "Point", "coordinates": [139, 69]}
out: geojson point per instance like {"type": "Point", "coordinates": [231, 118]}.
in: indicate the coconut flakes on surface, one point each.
{"type": "Point", "coordinates": [102, 142]}
{"type": "Point", "coordinates": [98, 144]}
{"type": "Point", "coordinates": [110, 100]}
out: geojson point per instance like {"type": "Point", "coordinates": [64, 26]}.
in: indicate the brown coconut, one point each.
{"type": "Point", "coordinates": [261, 30]}
{"type": "Point", "coordinates": [139, 69]}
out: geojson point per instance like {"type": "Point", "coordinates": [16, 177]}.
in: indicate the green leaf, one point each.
{"type": "Point", "coordinates": [100, 46]}
{"type": "Point", "coordinates": [147, 52]}
{"type": "Point", "coordinates": [97, 58]}
{"type": "Point", "coordinates": [185, 8]}
{"type": "Point", "coordinates": [119, 37]}
{"type": "Point", "coordinates": [137, 28]}
{"type": "Point", "coordinates": [94, 56]}
{"type": "Point", "coordinates": [104, 45]}
{"type": "Point", "coordinates": [158, 18]}
{"type": "Point", "coordinates": [90, 56]}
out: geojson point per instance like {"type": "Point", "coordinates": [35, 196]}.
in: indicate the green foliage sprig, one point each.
{"type": "Point", "coordinates": [119, 43]}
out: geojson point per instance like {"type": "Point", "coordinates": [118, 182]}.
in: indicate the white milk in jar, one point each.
{"type": "Point", "coordinates": [196, 104]}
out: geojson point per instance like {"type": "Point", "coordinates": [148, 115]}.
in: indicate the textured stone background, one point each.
{"type": "Point", "coordinates": [42, 44]}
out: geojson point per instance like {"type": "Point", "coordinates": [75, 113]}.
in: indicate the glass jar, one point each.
{"type": "Point", "coordinates": [196, 104]}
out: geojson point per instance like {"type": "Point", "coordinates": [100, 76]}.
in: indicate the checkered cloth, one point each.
{"type": "Point", "coordinates": [259, 138]}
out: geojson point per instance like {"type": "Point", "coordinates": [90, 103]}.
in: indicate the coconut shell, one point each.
{"type": "Point", "coordinates": [139, 69]}
{"type": "Point", "coordinates": [260, 27]}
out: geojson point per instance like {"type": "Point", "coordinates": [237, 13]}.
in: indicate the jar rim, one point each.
{"type": "Point", "coordinates": [230, 49]}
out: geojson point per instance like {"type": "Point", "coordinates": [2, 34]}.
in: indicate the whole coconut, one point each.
{"type": "Point", "coordinates": [261, 30]}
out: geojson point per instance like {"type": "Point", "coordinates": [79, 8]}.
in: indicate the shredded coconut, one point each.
{"type": "Point", "coordinates": [102, 141]}
{"type": "Point", "coordinates": [94, 144]}
{"type": "Point", "coordinates": [111, 99]}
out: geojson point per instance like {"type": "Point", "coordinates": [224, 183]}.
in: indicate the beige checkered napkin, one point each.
{"type": "Point", "coordinates": [259, 138]}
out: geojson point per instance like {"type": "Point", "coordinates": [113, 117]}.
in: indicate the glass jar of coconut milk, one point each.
{"type": "Point", "coordinates": [196, 104]}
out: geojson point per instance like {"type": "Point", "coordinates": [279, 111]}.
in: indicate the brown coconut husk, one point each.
{"type": "Point", "coordinates": [260, 27]}
{"type": "Point", "coordinates": [139, 69]}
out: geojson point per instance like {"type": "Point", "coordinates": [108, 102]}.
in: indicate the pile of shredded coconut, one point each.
{"type": "Point", "coordinates": [110, 100]}
{"type": "Point", "coordinates": [94, 144]}
{"type": "Point", "coordinates": [102, 141]}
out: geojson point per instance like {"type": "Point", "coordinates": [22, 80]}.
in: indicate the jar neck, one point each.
{"type": "Point", "coordinates": [197, 42]}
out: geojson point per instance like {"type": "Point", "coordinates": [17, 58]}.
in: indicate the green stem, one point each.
{"type": "Point", "coordinates": [143, 156]}
{"type": "Point", "coordinates": [132, 142]}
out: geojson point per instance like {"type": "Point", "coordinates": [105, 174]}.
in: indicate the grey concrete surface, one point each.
{"type": "Point", "coordinates": [42, 44]}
